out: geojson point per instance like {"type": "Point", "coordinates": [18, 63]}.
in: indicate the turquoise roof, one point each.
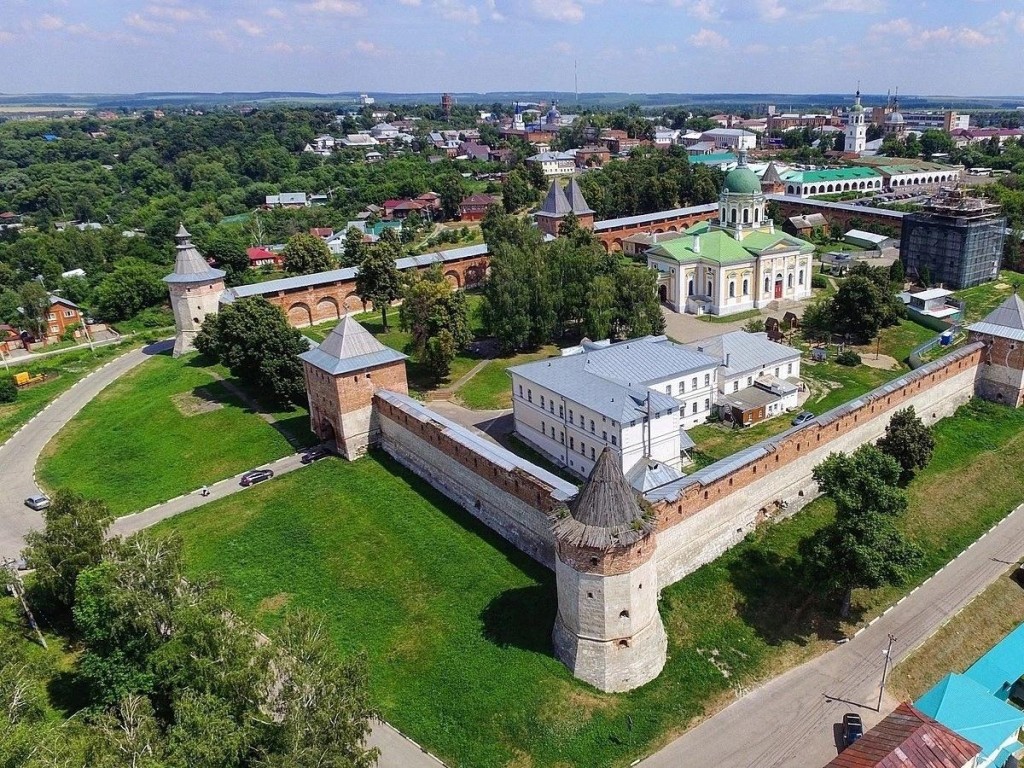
{"type": "Point", "coordinates": [831, 174]}
{"type": "Point", "coordinates": [1002, 666]}
{"type": "Point", "coordinates": [716, 158]}
{"type": "Point", "coordinates": [965, 706]}
{"type": "Point", "coordinates": [720, 246]}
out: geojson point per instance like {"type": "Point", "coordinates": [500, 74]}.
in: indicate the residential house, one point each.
{"type": "Point", "coordinates": [287, 200]}
{"type": "Point", "coordinates": [263, 257]}
{"type": "Point", "coordinates": [384, 132]}
{"type": "Point", "coordinates": [62, 315]}
{"type": "Point", "coordinates": [806, 225]}
{"type": "Point", "coordinates": [359, 141]}
{"type": "Point", "coordinates": [592, 155]}
{"type": "Point", "coordinates": [731, 138]}
{"type": "Point", "coordinates": [322, 232]}
{"type": "Point", "coordinates": [474, 207]}
{"type": "Point", "coordinates": [474, 151]}
{"type": "Point", "coordinates": [554, 163]}
{"type": "Point", "coordinates": [907, 738]}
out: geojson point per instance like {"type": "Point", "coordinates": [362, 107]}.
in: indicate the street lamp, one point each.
{"type": "Point", "coordinates": [885, 668]}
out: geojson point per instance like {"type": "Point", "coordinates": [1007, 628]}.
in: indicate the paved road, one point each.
{"type": "Point", "coordinates": [790, 720]}
{"type": "Point", "coordinates": [19, 454]}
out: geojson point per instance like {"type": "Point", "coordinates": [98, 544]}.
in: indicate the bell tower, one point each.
{"type": "Point", "coordinates": [608, 630]}
{"type": "Point", "coordinates": [195, 289]}
{"type": "Point", "coordinates": [855, 137]}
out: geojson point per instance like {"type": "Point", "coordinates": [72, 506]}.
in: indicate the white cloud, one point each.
{"type": "Point", "coordinates": [140, 22]}
{"type": "Point", "coordinates": [703, 10]}
{"type": "Point", "coordinates": [280, 47]}
{"type": "Point", "coordinates": [920, 37]}
{"type": "Point", "coordinates": [558, 10]}
{"type": "Point", "coordinates": [251, 29]}
{"type": "Point", "coordinates": [562, 47]}
{"type": "Point", "coordinates": [409, 2]}
{"type": "Point", "coordinates": [176, 12]}
{"type": "Point", "coordinates": [276, 13]}
{"type": "Point", "coordinates": [6, 37]}
{"type": "Point", "coordinates": [369, 48]}
{"type": "Point", "coordinates": [666, 48]}
{"type": "Point", "coordinates": [708, 38]}
{"type": "Point", "coordinates": [770, 10]}
{"type": "Point", "coordinates": [456, 10]}
{"type": "Point", "coordinates": [49, 21]}
{"type": "Point", "coordinates": [492, 10]}
{"type": "Point", "coordinates": [854, 6]}
{"type": "Point", "coordinates": [337, 7]}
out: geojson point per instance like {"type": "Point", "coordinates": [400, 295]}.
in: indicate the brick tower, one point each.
{"type": "Point", "coordinates": [341, 376]}
{"type": "Point", "coordinates": [608, 630]}
{"type": "Point", "coordinates": [195, 289]}
{"type": "Point", "coordinates": [1001, 375]}
{"type": "Point", "coordinates": [559, 203]}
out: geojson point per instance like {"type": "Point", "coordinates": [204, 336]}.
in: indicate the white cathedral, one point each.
{"type": "Point", "coordinates": [737, 263]}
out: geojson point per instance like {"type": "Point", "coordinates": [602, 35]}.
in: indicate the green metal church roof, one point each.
{"type": "Point", "coordinates": [832, 174]}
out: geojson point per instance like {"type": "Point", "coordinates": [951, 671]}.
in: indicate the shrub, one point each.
{"type": "Point", "coordinates": [848, 357]}
{"type": "Point", "coordinates": [818, 280]}
{"type": "Point", "coordinates": [8, 392]}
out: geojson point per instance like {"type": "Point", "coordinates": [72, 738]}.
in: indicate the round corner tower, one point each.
{"type": "Point", "coordinates": [195, 289]}
{"type": "Point", "coordinates": [608, 630]}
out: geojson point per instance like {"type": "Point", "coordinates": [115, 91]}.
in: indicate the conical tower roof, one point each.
{"type": "Point", "coordinates": [1005, 321]}
{"type": "Point", "coordinates": [577, 201]}
{"type": "Point", "coordinates": [189, 264]}
{"type": "Point", "coordinates": [605, 514]}
{"type": "Point", "coordinates": [350, 347]}
{"type": "Point", "coordinates": [556, 203]}
{"type": "Point", "coordinates": [771, 175]}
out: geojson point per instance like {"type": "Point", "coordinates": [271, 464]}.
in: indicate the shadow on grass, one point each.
{"type": "Point", "coordinates": [521, 618]}
{"type": "Point", "coordinates": [777, 602]}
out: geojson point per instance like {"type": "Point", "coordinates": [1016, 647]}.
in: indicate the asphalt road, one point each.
{"type": "Point", "coordinates": [790, 720]}
{"type": "Point", "coordinates": [19, 454]}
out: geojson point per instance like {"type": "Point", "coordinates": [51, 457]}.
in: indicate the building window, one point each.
{"type": "Point", "coordinates": [591, 425]}
{"type": "Point", "coordinates": [614, 440]}
{"type": "Point", "coordinates": [767, 284]}
{"type": "Point", "coordinates": [668, 390]}
{"type": "Point", "coordinates": [789, 368]}
{"type": "Point", "coordinates": [732, 289]}
{"type": "Point", "coordinates": [736, 386]}
{"type": "Point", "coordinates": [711, 287]}
{"type": "Point", "coordinates": [604, 436]}
{"type": "Point", "coordinates": [801, 279]}
{"type": "Point", "coordinates": [51, 315]}
{"type": "Point", "coordinates": [776, 373]}
{"type": "Point", "coordinates": [591, 453]}
{"type": "Point", "coordinates": [552, 433]}
{"type": "Point", "coordinates": [561, 437]}
{"type": "Point", "coordinates": [583, 448]}
{"type": "Point", "coordinates": [572, 444]}
{"type": "Point", "coordinates": [551, 406]}
{"type": "Point", "coordinates": [542, 401]}
{"type": "Point", "coordinates": [520, 390]}
{"type": "Point", "coordinates": [694, 406]}
{"type": "Point", "coordinates": [543, 428]}
{"type": "Point", "coordinates": [707, 379]}
{"type": "Point", "coordinates": [571, 419]}
{"type": "Point", "coordinates": [746, 287]}
{"type": "Point", "coordinates": [529, 395]}
{"type": "Point", "coordinates": [54, 329]}
{"type": "Point", "coordinates": [789, 280]}
{"type": "Point", "coordinates": [707, 404]}
{"type": "Point", "coordinates": [750, 380]}
{"type": "Point", "coordinates": [693, 384]}
{"type": "Point", "coordinates": [682, 387]}
{"type": "Point", "coordinates": [68, 313]}
{"type": "Point", "coordinates": [561, 412]}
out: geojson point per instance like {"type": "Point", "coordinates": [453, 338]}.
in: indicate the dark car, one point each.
{"type": "Point", "coordinates": [256, 476]}
{"type": "Point", "coordinates": [313, 454]}
{"type": "Point", "coordinates": [802, 418]}
{"type": "Point", "coordinates": [853, 728]}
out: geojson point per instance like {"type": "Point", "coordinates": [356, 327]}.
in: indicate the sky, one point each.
{"type": "Point", "coordinates": [925, 47]}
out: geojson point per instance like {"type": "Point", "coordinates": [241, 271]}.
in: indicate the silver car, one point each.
{"type": "Point", "coordinates": [37, 502]}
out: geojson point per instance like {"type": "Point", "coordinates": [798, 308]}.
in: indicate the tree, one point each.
{"type": "Point", "coordinates": [516, 192]}
{"type": "Point", "coordinates": [132, 287]}
{"type": "Point", "coordinates": [35, 304]}
{"type": "Point", "coordinates": [861, 306]}
{"type": "Point", "coordinates": [638, 311]}
{"type": "Point", "coordinates": [227, 249]}
{"type": "Point", "coordinates": [924, 275]}
{"type": "Point", "coordinates": [252, 337]}
{"type": "Point", "coordinates": [863, 546]}
{"type": "Point", "coordinates": [430, 305]}
{"type": "Point", "coordinates": [438, 354]}
{"type": "Point", "coordinates": [306, 254]}
{"type": "Point", "coordinates": [8, 390]}
{"type": "Point", "coordinates": [897, 274]}
{"type": "Point", "coordinates": [71, 541]}
{"type": "Point", "coordinates": [355, 249]}
{"type": "Point", "coordinates": [754, 325]}
{"type": "Point", "coordinates": [378, 280]}
{"type": "Point", "coordinates": [518, 306]}
{"type": "Point", "coordinates": [452, 193]}
{"type": "Point", "coordinates": [909, 441]}
{"type": "Point", "coordinates": [601, 307]}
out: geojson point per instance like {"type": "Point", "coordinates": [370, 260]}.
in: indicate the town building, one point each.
{"type": "Point", "coordinates": [955, 240]}
{"type": "Point", "coordinates": [771, 181]}
{"type": "Point", "coordinates": [738, 262]}
{"type": "Point", "coordinates": [831, 181]}
{"type": "Point", "coordinates": [907, 738]}
{"type": "Point", "coordinates": [637, 245]}
{"type": "Point", "coordinates": [634, 397]}
{"type": "Point", "coordinates": [260, 256]}
{"type": "Point", "coordinates": [61, 315]}
{"type": "Point", "coordinates": [963, 137]}
{"type": "Point", "coordinates": [474, 207]}
{"type": "Point", "coordinates": [287, 200]}
{"type": "Point", "coordinates": [554, 163]}
{"type": "Point", "coordinates": [731, 138]}
{"type": "Point", "coordinates": [1002, 332]}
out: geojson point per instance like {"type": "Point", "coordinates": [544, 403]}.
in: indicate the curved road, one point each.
{"type": "Point", "coordinates": [18, 455]}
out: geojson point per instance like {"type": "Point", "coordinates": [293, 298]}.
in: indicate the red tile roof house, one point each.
{"type": "Point", "coordinates": [261, 257]}
{"type": "Point", "coordinates": [322, 232]}
{"type": "Point", "coordinates": [908, 739]}
{"type": "Point", "coordinates": [474, 207]}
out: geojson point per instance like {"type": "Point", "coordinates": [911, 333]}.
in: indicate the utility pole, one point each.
{"type": "Point", "coordinates": [18, 590]}
{"type": "Point", "coordinates": [885, 668]}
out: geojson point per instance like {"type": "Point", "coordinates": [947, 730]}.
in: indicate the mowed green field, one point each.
{"type": "Point", "coordinates": [456, 624]}
{"type": "Point", "coordinates": [163, 429]}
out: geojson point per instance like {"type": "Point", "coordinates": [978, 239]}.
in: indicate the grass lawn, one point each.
{"type": "Point", "coordinates": [491, 388]}
{"type": "Point", "coordinates": [750, 313]}
{"type": "Point", "coordinates": [988, 619]}
{"type": "Point", "coordinates": [982, 299]}
{"type": "Point", "coordinates": [899, 340]}
{"type": "Point", "coordinates": [133, 445]}
{"type": "Point", "coordinates": [62, 371]}
{"type": "Point", "coordinates": [456, 623]}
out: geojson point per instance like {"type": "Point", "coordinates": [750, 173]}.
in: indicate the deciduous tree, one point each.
{"type": "Point", "coordinates": [132, 287]}
{"type": "Point", "coordinates": [306, 254]}
{"type": "Point", "coordinates": [378, 280]}
{"type": "Point", "coordinates": [908, 440]}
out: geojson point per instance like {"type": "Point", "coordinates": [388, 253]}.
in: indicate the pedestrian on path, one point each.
{"type": "Point", "coordinates": [204, 492]}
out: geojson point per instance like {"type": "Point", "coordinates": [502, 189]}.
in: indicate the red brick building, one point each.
{"type": "Point", "coordinates": [474, 207]}
{"type": "Point", "coordinates": [61, 315]}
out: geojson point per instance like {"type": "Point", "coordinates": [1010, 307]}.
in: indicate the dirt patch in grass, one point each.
{"type": "Point", "coordinates": [957, 645]}
{"type": "Point", "coordinates": [274, 604]}
{"type": "Point", "coordinates": [195, 402]}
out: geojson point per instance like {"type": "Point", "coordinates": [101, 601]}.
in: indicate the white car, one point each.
{"type": "Point", "coordinates": [37, 502]}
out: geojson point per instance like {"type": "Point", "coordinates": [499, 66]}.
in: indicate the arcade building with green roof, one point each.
{"type": "Point", "coordinates": [736, 263]}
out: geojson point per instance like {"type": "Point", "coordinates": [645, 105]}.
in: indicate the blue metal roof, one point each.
{"type": "Point", "coordinates": [964, 706]}
{"type": "Point", "coordinates": [1002, 666]}
{"type": "Point", "coordinates": [652, 218]}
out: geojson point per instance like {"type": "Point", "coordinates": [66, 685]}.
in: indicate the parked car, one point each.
{"type": "Point", "coordinates": [256, 476]}
{"type": "Point", "coordinates": [313, 454]}
{"type": "Point", "coordinates": [853, 728]}
{"type": "Point", "coordinates": [39, 502]}
{"type": "Point", "coordinates": [802, 418]}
